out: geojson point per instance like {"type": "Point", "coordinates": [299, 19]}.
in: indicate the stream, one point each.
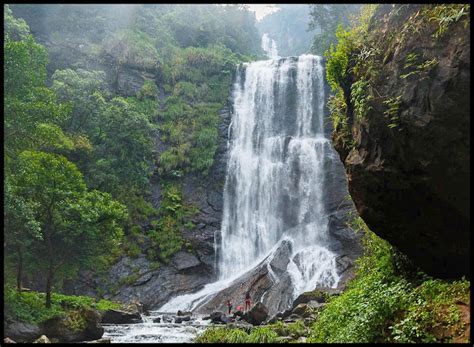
{"type": "Point", "coordinates": [150, 332]}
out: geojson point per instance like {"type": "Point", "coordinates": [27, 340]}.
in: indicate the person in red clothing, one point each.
{"type": "Point", "coordinates": [229, 305]}
{"type": "Point", "coordinates": [247, 302]}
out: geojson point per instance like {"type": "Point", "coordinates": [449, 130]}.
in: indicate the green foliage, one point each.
{"type": "Point", "coordinates": [14, 28]}
{"type": "Point", "coordinates": [385, 303]}
{"type": "Point", "coordinates": [326, 19]}
{"type": "Point", "coordinates": [262, 335]}
{"type": "Point", "coordinates": [446, 14]}
{"type": "Point", "coordinates": [218, 335]}
{"type": "Point", "coordinates": [148, 90]}
{"type": "Point", "coordinates": [288, 27]}
{"type": "Point", "coordinates": [393, 106]}
{"type": "Point", "coordinates": [174, 217]}
{"type": "Point", "coordinates": [226, 335]}
{"type": "Point", "coordinates": [76, 224]}
{"type": "Point", "coordinates": [132, 47]}
{"type": "Point", "coordinates": [360, 98]}
{"type": "Point", "coordinates": [29, 306]}
{"type": "Point", "coordinates": [414, 69]}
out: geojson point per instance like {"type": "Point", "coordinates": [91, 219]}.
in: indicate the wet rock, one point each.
{"type": "Point", "coordinates": [184, 260]}
{"type": "Point", "coordinates": [22, 332]}
{"type": "Point", "coordinates": [293, 318]}
{"type": "Point", "coordinates": [300, 310]}
{"type": "Point", "coordinates": [157, 320]}
{"type": "Point", "coordinates": [182, 319]}
{"type": "Point", "coordinates": [166, 318]}
{"type": "Point", "coordinates": [319, 294]}
{"type": "Point", "coordinates": [103, 340]}
{"type": "Point", "coordinates": [184, 313]}
{"type": "Point", "coordinates": [257, 315]}
{"type": "Point", "coordinates": [42, 339]}
{"type": "Point", "coordinates": [121, 317]}
{"type": "Point", "coordinates": [219, 318]}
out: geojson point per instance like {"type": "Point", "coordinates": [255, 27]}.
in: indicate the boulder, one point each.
{"type": "Point", "coordinates": [184, 313]}
{"type": "Point", "coordinates": [319, 294]}
{"type": "Point", "coordinates": [182, 319]}
{"type": "Point", "coordinates": [121, 317]}
{"type": "Point", "coordinates": [238, 314]}
{"type": "Point", "coordinates": [219, 318]}
{"type": "Point", "coordinates": [166, 319]}
{"type": "Point", "coordinates": [301, 310]}
{"type": "Point", "coordinates": [257, 315]}
{"type": "Point", "coordinates": [184, 260]}
{"type": "Point", "coordinates": [42, 339]}
{"type": "Point", "coordinates": [157, 320]}
{"type": "Point", "coordinates": [22, 332]}
{"type": "Point", "coordinates": [61, 328]}
{"type": "Point", "coordinates": [293, 318]}
{"type": "Point", "coordinates": [409, 173]}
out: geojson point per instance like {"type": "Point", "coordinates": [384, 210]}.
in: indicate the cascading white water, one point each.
{"type": "Point", "coordinates": [269, 46]}
{"type": "Point", "coordinates": [275, 176]}
{"type": "Point", "coordinates": [274, 187]}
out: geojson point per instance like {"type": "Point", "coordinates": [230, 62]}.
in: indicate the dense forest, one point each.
{"type": "Point", "coordinates": [117, 128]}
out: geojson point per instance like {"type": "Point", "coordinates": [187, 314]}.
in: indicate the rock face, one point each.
{"type": "Point", "coordinates": [410, 183]}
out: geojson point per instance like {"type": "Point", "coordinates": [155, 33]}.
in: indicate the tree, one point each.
{"type": "Point", "coordinates": [76, 225]}
{"type": "Point", "coordinates": [32, 114]}
{"type": "Point", "coordinates": [20, 228]}
{"type": "Point", "coordinates": [325, 19]}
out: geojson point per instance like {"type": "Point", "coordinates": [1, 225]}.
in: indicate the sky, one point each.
{"type": "Point", "coordinates": [261, 10]}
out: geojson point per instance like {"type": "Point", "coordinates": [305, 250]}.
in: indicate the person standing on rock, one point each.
{"type": "Point", "coordinates": [247, 302]}
{"type": "Point", "coordinates": [229, 305]}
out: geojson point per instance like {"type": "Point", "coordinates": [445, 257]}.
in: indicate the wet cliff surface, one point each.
{"type": "Point", "coordinates": [408, 165]}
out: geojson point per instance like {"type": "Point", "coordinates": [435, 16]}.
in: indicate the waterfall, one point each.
{"type": "Point", "coordinates": [274, 188]}
{"type": "Point", "coordinates": [269, 46]}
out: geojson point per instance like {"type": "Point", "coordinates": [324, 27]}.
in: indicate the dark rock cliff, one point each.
{"type": "Point", "coordinates": [410, 180]}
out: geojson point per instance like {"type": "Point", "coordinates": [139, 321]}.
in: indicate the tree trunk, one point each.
{"type": "Point", "coordinates": [49, 283]}
{"type": "Point", "coordinates": [20, 269]}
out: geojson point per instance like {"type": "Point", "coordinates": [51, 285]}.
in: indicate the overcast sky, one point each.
{"type": "Point", "coordinates": [261, 10]}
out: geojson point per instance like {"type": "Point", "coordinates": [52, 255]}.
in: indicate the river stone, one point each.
{"type": "Point", "coordinates": [166, 318]}
{"type": "Point", "coordinates": [22, 332]}
{"type": "Point", "coordinates": [121, 317]}
{"type": "Point", "coordinates": [157, 320]}
{"type": "Point", "coordinates": [42, 339]}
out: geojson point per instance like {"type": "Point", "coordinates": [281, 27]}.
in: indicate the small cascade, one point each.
{"type": "Point", "coordinates": [269, 46]}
